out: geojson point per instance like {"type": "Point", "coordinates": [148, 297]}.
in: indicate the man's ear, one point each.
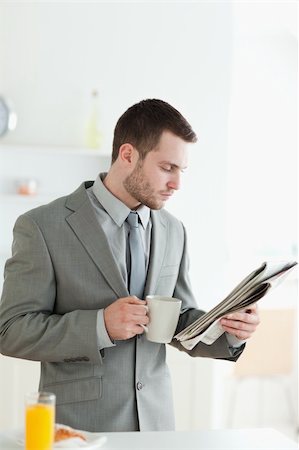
{"type": "Point", "coordinates": [127, 153]}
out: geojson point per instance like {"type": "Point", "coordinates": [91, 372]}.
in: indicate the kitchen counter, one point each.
{"type": "Point", "coordinates": [245, 439]}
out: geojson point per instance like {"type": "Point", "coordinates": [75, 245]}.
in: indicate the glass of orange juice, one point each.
{"type": "Point", "coordinates": [39, 421]}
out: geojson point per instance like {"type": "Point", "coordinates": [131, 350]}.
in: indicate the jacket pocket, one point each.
{"type": "Point", "coordinates": [76, 390]}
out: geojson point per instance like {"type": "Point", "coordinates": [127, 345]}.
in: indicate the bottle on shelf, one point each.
{"type": "Point", "coordinates": [93, 135]}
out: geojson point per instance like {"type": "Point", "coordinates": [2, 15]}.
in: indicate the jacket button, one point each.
{"type": "Point", "coordinates": [139, 386]}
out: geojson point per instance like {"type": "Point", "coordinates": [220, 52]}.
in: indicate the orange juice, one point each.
{"type": "Point", "coordinates": [40, 419]}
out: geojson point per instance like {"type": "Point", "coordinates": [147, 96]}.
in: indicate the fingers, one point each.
{"type": "Point", "coordinates": [249, 316]}
{"type": "Point", "coordinates": [241, 324]}
{"type": "Point", "coordinates": [252, 308]}
{"type": "Point", "coordinates": [124, 317]}
{"type": "Point", "coordinates": [132, 300]}
{"type": "Point", "coordinates": [239, 331]}
{"type": "Point", "coordinates": [139, 329]}
{"type": "Point", "coordinates": [237, 326]}
{"type": "Point", "coordinates": [134, 308]}
{"type": "Point", "coordinates": [137, 309]}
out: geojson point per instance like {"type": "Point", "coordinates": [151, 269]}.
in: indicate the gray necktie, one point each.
{"type": "Point", "coordinates": [137, 257]}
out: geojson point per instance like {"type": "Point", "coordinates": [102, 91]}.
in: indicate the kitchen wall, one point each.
{"type": "Point", "coordinates": [52, 54]}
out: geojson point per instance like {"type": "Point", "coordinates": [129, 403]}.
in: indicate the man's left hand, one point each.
{"type": "Point", "coordinates": [241, 324]}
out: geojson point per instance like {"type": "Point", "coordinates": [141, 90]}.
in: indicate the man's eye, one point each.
{"type": "Point", "coordinates": [166, 169]}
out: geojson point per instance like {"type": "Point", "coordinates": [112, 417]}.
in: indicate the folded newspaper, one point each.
{"type": "Point", "coordinates": [207, 328]}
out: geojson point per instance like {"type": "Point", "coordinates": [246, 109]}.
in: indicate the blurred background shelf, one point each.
{"type": "Point", "coordinates": [56, 170]}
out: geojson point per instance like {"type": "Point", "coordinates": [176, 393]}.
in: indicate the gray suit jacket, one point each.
{"type": "Point", "coordinates": [60, 274]}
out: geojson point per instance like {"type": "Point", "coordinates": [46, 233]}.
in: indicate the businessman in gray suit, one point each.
{"type": "Point", "coordinates": [66, 297]}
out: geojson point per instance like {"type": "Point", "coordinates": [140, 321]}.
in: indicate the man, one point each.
{"type": "Point", "coordinates": [67, 299]}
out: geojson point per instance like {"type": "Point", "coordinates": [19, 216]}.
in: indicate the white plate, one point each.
{"type": "Point", "coordinates": [94, 441]}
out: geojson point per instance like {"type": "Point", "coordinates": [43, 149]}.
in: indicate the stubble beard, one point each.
{"type": "Point", "coordinates": [140, 189]}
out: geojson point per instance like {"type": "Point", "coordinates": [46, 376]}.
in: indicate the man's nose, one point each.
{"type": "Point", "coordinates": [175, 182]}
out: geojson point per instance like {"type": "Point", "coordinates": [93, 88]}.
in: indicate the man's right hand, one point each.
{"type": "Point", "coordinates": [124, 316]}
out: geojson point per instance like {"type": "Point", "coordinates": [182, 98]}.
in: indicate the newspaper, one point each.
{"type": "Point", "coordinates": [254, 287]}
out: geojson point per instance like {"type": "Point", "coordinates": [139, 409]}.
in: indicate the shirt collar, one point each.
{"type": "Point", "coordinates": [144, 215]}
{"type": "Point", "coordinates": [116, 209]}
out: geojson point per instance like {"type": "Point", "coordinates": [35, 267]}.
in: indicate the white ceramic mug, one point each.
{"type": "Point", "coordinates": [163, 315]}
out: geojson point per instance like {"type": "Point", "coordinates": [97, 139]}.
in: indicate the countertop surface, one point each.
{"type": "Point", "coordinates": [239, 439]}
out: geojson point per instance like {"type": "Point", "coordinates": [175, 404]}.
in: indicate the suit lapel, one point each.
{"type": "Point", "coordinates": [91, 235]}
{"type": "Point", "coordinates": [157, 253]}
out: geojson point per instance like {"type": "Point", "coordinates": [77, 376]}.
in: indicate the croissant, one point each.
{"type": "Point", "coordinates": [62, 432]}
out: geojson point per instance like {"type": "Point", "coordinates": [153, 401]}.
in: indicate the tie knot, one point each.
{"type": "Point", "coordinates": [132, 219]}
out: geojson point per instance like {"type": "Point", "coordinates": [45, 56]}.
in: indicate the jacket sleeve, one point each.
{"type": "Point", "coordinates": [220, 349]}
{"type": "Point", "coordinates": [29, 328]}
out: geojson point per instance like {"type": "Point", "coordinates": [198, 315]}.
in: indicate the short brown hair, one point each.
{"type": "Point", "coordinates": [143, 123]}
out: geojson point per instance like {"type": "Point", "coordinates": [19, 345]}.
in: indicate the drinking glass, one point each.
{"type": "Point", "coordinates": [39, 421]}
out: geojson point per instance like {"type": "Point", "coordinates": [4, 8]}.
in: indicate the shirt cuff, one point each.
{"type": "Point", "coordinates": [103, 338]}
{"type": "Point", "coordinates": [233, 341]}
